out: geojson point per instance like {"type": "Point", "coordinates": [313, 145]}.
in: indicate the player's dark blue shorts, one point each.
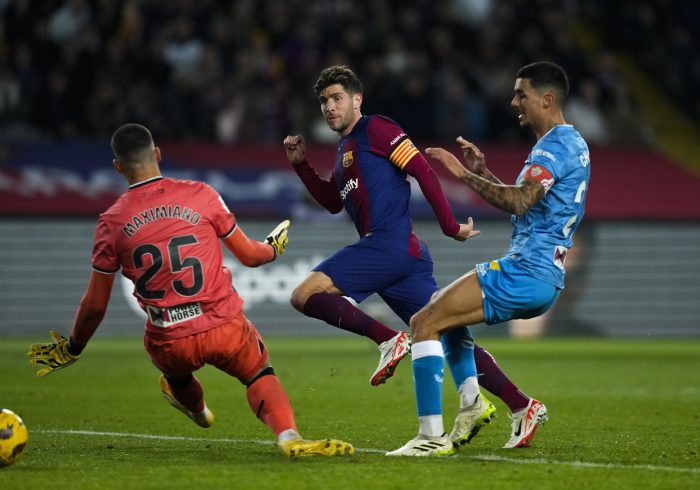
{"type": "Point", "coordinates": [511, 292]}
{"type": "Point", "coordinates": [371, 265]}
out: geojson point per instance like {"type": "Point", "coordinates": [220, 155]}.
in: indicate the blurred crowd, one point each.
{"type": "Point", "coordinates": [662, 36]}
{"type": "Point", "coordinates": [243, 71]}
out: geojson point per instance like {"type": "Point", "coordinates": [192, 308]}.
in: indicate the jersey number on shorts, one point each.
{"type": "Point", "coordinates": [176, 265]}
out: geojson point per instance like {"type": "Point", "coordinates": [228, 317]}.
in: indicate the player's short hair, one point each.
{"type": "Point", "coordinates": [341, 75]}
{"type": "Point", "coordinates": [131, 143]}
{"type": "Point", "coordinates": [547, 74]}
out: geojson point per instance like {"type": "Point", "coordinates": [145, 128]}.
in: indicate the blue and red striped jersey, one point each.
{"type": "Point", "coordinates": [369, 181]}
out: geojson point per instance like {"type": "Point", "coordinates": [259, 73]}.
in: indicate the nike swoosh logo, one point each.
{"type": "Point", "coordinates": [517, 432]}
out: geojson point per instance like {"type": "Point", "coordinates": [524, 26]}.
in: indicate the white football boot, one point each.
{"type": "Point", "coordinates": [471, 419]}
{"type": "Point", "coordinates": [391, 352]}
{"type": "Point", "coordinates": [422, 445]}
{"type": "Point", "coordinates": [525, 423]}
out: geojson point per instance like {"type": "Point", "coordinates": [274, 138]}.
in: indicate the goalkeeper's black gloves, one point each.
{"type": "Point", "coordinates": [53, 355]}
{"type": "Point", "coordinates": [278, 237]}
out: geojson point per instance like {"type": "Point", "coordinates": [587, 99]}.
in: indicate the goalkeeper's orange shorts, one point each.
{"type": "Point", "coordinates": [235, 347]}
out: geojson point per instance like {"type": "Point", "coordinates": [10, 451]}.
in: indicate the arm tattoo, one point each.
{"type": "Point", "coordinates": [486, 174]}
{"type": "Point", "coordinates": [509, 198]}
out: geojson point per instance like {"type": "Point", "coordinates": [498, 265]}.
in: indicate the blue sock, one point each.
{"type": "Point", "coordinates": [458, 345]}
{"type": "Point", "coordinates": [428, 373]}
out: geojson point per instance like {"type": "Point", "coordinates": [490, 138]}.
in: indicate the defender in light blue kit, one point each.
{"type": "Point", "coordinates": [526, 281]}
{"type": "Point", "coordinates": [547, 204]}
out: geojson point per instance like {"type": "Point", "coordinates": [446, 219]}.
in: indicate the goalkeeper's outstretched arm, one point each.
{"type": "Point", "coordinates": [253, 253]}
{"type": "Point", "coordinates": [61, 351]}
{"type": "Point", "coordinates": [92, 309]}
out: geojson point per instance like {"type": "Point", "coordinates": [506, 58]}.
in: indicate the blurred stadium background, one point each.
{"type": "Point", "coordinates": [220, 83]}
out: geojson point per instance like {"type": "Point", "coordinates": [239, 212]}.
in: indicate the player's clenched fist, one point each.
{"type": "Point", "coordinates": [296, 148]}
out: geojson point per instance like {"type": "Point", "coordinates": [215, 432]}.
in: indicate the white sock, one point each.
{"type": "Point", "coordinates": [468, 392]}
{"type": "Point", "coordinates": [288, 435]}
{"type": "Point", "coordinates": [431, 425]}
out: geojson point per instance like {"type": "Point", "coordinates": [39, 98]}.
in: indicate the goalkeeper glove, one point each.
{"type": "Point", "coordinates": [278, 237]}
{"type": "Point", "coordinates": [53, 355]}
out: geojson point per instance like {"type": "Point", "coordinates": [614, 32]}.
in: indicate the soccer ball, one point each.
{"type": "Point", "coordinates": [13, 437]}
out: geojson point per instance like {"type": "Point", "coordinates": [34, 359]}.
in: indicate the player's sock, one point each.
{"type": "Point", "coordinates": [428, 372]}
{"type": "Point", "coordinates": [492, 377]}
{"type": "Point", "coordinates": [468, 392]}
{"type": "Point", "coordinates": [288, 435]}
{"type": "Point", "coordinates": [458, 345]}
{"type": "Point", "coordinates": [269, 403]}
{"type": "Point", "coordinates": [339, 312]}
{"type": "Point", "coordinates": [189, 393]}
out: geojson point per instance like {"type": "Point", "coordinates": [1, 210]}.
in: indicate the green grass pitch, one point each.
{"type": "Point", "coordinates": [624, 414]}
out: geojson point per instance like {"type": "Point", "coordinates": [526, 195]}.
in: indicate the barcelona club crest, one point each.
{"type": "Point", "coordinates": [347, 158]}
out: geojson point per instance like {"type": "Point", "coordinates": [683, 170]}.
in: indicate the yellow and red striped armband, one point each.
{"type": "Point", "coordinates": [403, 153]}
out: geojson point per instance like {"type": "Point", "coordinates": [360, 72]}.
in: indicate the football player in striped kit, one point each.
{"type": "Point", "coordinates": [374, 158]}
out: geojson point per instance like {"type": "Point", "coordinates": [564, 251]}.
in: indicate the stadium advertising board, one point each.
{"type": "Point", "coordinates": [77, 179]}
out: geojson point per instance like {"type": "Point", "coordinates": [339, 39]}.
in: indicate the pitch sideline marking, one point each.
{"type": "Point", "coordinates": [485, 457]}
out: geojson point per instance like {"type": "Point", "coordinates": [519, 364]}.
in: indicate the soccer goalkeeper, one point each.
{"type": "Point", "coordinates": [163, 234]}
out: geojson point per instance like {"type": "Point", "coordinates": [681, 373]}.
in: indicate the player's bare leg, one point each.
{"type": "Point", "coordinates": [315, 282]}
{"type": "Point", "coordinates": [456, 305]}
{"type": "Point", "coordinates": [461, 303]}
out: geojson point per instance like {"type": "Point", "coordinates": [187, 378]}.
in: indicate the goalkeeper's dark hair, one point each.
{"type": "Point", "coordinates": [339, 74]}
{"type": "Point", "coordinates": [545, 74]}
{"type": "Point", "coordinates": [131, 143]}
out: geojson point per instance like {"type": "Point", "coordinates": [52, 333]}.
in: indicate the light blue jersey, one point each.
{"type": "Point", "coordinates": [544, 234]}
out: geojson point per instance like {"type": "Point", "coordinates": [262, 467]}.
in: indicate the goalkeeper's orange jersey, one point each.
{"type": "Point", "coordinates": [164, 236]}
